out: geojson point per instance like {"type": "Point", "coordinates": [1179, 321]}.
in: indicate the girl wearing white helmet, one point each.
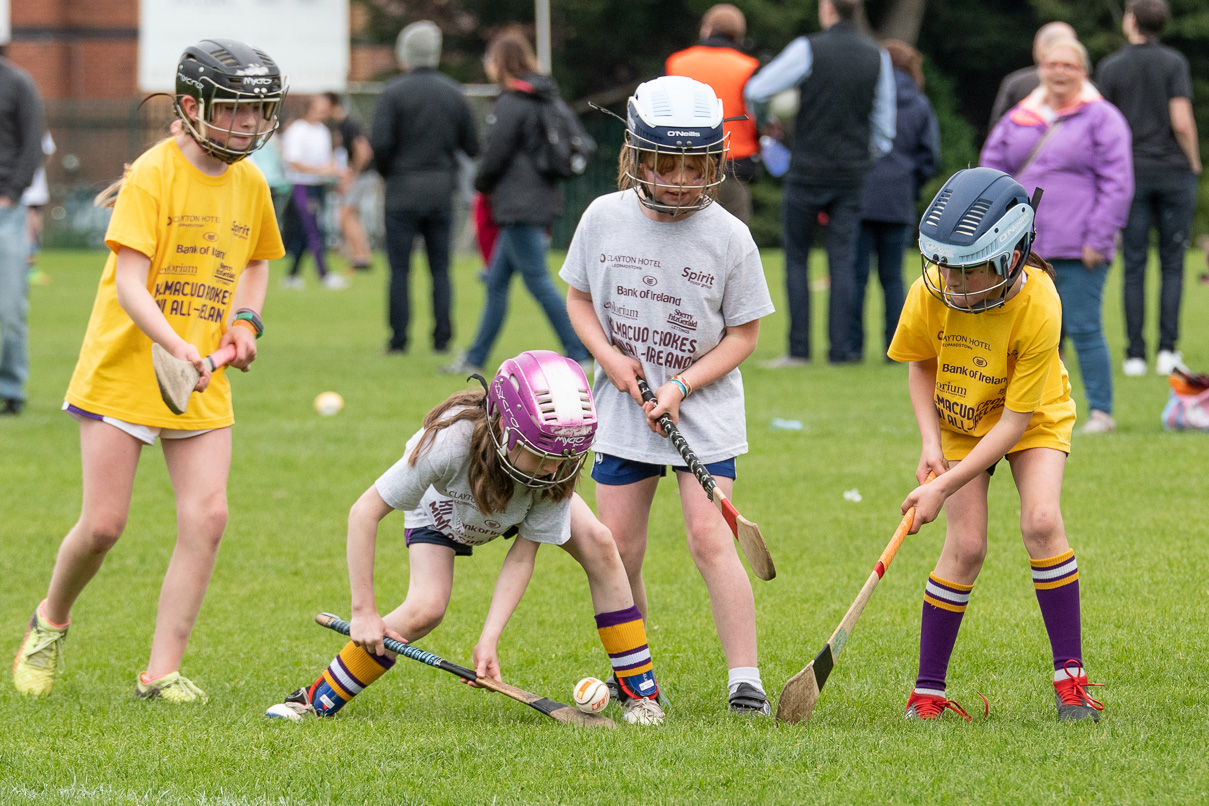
{"type": "Point", "coordinates": [980, 331]}
{"type": "Point", "coordinates": [190, 240]}
{"type": "Point", "coordinates": [484, 464]}
{"type": "Point", "coordinates": [666, 285]}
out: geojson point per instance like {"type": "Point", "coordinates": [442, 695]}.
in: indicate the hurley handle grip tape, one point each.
{"type": "Point", "coordinates": [334, 622]}
{"type": "Point", "coordinates": [673, 433]}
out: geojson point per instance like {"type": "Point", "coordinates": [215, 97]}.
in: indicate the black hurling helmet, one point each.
{"type": "Point", "coordinates": [221, 74]}
{"type": "Point", "coordinates": [981, 217]}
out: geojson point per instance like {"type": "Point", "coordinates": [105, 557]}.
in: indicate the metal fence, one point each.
{"type": "Point", "coordinates": [95, 140]}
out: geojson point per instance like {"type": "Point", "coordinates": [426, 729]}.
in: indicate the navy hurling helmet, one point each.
{"type": "Point", "coordinates": [221, 74]}
{"type": "Point", "coordinates": [676, 116]}
{"type": "Point", "coordinates": [981, 216]}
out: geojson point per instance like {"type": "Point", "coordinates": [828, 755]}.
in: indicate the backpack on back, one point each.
{"type": "Point", "coordinates": [565, 147]}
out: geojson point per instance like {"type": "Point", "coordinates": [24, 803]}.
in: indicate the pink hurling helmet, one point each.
{"type": "Point", "coordinates": [544, 404]}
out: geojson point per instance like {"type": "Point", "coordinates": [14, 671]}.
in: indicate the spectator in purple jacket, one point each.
{"type": "Point", "coordinates": [1066, 139]}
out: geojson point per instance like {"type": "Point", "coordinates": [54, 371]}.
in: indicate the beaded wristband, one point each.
{"type": "Point", "coordinates": [251, 317]}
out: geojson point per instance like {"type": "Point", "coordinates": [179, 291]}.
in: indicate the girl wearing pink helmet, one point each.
{"type": "Point", "coordinates": [503, 461]}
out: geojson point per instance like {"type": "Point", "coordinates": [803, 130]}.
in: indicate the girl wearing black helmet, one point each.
{"type": "Point", "coordinates": [191, 237]}
{"type": "Point", "coordinates": [980, 330]}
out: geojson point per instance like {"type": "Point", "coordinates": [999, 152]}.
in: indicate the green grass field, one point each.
{"type": "Point", "coordinates": [1132, 505]}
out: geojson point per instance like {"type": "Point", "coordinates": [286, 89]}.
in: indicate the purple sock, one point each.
{"type": "Point", "coordinates": [1057, 582]}
{"type": "Point", "coordinates": [944, 604]}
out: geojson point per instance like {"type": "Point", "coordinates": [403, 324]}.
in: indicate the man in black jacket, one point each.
{"type": "Point", "coordinates": [20, 155]}
{"type": "Point", "coordinates": [421, 123]}
{"type": "Point", "coordinates": [1152, 86]}
{"type": "Point", "coordinates": [845, 123]}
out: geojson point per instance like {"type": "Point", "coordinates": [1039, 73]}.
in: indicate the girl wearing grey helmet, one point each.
{"type": "Point", "coordinates": [980, 331]}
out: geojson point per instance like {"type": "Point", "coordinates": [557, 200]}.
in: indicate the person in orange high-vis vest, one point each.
{"type": "Point", "coordinates": [718, 61]}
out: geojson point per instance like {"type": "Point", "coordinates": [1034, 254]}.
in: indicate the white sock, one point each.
{"type": "Point", "coordinates": [744, 674]}
{"type": "Point", "coordinates": [1061, 674]}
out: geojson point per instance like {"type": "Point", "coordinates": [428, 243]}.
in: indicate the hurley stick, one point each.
{"type": "Point", "coordinates": [746, 532]}
{"type": "Point", "coordinates": [555, 710]}
{"type": "Point", "coordinates": [800, 694]}
{"type": "Point", "coordinates": [177, 378]}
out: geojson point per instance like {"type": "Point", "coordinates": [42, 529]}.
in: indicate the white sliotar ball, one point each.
{"type": "Point", "coordinates": [591, 695]}
{"type": "Point", "coordinates": [329, 403]}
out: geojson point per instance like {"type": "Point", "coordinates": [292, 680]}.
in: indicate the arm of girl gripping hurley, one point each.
{"type": "Point", "coordinates": [801, 692]}
{"type": "Point", "coordinates": [746, 532]}
{"type": "Point", "coordinates": [555, 710]}
{"type": "Point", "coordinates": [178, 378]}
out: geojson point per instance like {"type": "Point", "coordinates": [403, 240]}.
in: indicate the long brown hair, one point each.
{"type": "Point", "coordinates": [512, 55]}
{"type": "Point", "coordinates": [490, 484]}
{"type": "Point", "coordinates": [1037, 262]}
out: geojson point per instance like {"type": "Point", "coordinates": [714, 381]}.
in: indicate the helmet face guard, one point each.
{"type": "Point", "coordinates": [231, 82]}
{"type": "Point", "coordinates": [978, 221]}
{"type": "Point", "coordinates": [675, 140]}
{"type": "Point", "coordinates": [540, 403]}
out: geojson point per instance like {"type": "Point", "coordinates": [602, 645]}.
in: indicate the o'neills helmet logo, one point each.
{"type": "Point", "coordinates": [675, 133]}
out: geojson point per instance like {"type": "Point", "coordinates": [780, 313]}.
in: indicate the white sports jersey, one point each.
{"type": "Point", "coordinates": [665, 294]}
{"type": "Point", "coordinates": [308, 144]}
{"type": "Point", "coordinates": [436, 493]}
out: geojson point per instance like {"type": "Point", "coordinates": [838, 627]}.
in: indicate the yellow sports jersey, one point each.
{"type": "Point", "coordinates": [200, 232]}
{"type": "Point", "coordinates": [1006, 356]}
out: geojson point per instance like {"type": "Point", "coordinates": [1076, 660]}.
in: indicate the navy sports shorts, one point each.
{"type": "Point", "coordinates": [615, 471]}
{"type": "Point", "coordinates": [423, 534]}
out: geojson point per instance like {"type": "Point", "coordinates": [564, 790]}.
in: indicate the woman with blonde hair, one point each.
{"type": "Point", "coordinates": [1067, 140]}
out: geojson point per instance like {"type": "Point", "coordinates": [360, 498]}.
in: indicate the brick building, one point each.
{"type": "Point", "coordinates": [83, 55]}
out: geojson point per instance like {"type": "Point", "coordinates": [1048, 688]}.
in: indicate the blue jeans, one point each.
{"type": "Point", "coordinates": [401, 229]}
{"type": "Point", "coordinates": [1082, 293]}
{"type": "Point", "coordinates": [522, 248]}
{"type": "Point", "coordinates": [1169, 202]}
{"type": "Point", "coordinates": [800, 210]}
{"type": "Point", "coordinates": [888, 240]}
{"type": "Point", "coordinates": [14, 302]}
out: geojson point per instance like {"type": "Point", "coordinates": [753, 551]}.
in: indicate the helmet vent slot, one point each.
{"type": "Point", "coordinates": [225, 56]}
{"type": "Point", "coordinates": [938, 208]}
{"type": "Point", "coordinates": [969, 223]}
{"type": "Point", "coordinates": [545, 405]}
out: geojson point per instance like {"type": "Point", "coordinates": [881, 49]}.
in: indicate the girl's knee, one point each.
{"type": "Point", "coordinates": [102, 532]}
{"type": "Point", "coordinates": [1043, 531]}
{"type": "Point", "coordinates": [969, 551]}
{"type": "Point", "coordinates": [205, 523]}
{"type": "Point", "coordinates": [427, 615]}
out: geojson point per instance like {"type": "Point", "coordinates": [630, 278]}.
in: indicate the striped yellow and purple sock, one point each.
{"type": "Point", "coordinates": [945, 603]}
{"type": "Point", "coordinates": [349, 672]}
{"type": "Point", "coordinates": [1056, 580]}
{"type": "Point", "coordinates": [624, 637]}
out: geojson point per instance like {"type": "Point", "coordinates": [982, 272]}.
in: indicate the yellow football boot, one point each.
{"type": "Point", "coordinates": [40, 658]}
{"type": "Point", "coordinates": [173, 687]}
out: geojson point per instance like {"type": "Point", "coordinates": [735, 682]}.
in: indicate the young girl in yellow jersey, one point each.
{"type": "Point", "coordinates": [980, 330]}
{"type": "Point", "coordinates": [192, 232]}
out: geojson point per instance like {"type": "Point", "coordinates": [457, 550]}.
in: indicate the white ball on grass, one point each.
{"type": "Point", "coordinates": [591, 695]}
{"type": "Point", "coordinates": [329, 403]}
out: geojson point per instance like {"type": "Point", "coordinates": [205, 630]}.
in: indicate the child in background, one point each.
{"type": "Point", "coordinates": [500, 462]}
{"type": "Point", "coordinates": [980, 331]}
{"type": "Point", "coordinates": [191, 237]}
{"type": "Point", "coordinates": [667, 286]}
